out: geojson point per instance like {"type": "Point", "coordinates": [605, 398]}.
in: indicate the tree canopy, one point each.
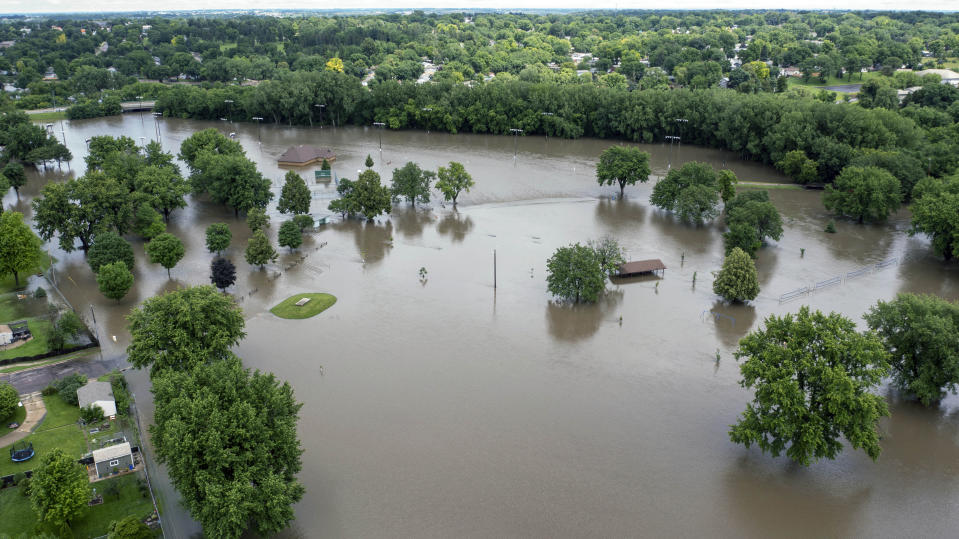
{"type": "Point", "coordinates": [8, 400]}
{"type": "Point", "coordinates": [58, 490]}
{"type": "Point", "coordinates": [290, 235]}
{"type": "Point", "coordinates": [109, 247]}
{"type": "Point", "coordinates": [19, 247]}
{"type": "Point", "coordinates": [576, 273]}
{"type": "Point", "coordinates": [690, 191]}
{"type": "Point", "coordinates": [77, 209]}
{"type": "Point", "coordinates": [751, 218]}
{"type": "Point", "coordinates": [863, 193]}
{"type": "Point", "coordinates": [921, 333]}
{"type": "Point", "coordinates": [737, 280]}
{"type": "Point", "coordinates": [295, 196]}
{"type": "Point", "coordinates": [228, 439]}
{"type": "Point", "coordinates": [165, 250]}
{"type": "Point", "coordinates": [412, 183]}
{"type": "Point", "coordinates": [259, 250]}
{"type": "Point", "coordinates": [114, 280]}
{"type": "Point", "coordinates": [222, 273]}
{"type": "Point", "coordinates": [218, 237]}
{"type": "Point", "coordinates": [364, 197]}
{"type": "Point", "coordinates": [453, 179]}
{"type": "Point", "coordinates": [180, 329]}
{"type": "Point", "coordinates": [623, 165]}
{"type": "Point", "coordinates": [935, 212]}
{"type": "Point", "coordinates": [813, 377]}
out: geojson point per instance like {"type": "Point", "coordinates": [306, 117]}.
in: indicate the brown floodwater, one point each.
{"type": "Point", "coordinates": [447, 408]}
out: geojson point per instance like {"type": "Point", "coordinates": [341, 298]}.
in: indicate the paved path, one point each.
{"type": "Point", "coordinates": [36, 410]}
{"type": "Point", "coordinates": [35, 379]}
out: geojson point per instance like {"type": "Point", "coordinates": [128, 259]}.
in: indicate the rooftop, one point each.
{"type": "Point", "coordinates": [305, 154]}
{"type": "Point", "coordinates": [94, 391]}
{"type": "Point", "coordinates": [642, 266]}
{"type": "Point", "coordinates": [112, 452]}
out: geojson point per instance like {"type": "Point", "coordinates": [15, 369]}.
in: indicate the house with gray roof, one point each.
{"type": "Point", "coordinates": [98, 394]}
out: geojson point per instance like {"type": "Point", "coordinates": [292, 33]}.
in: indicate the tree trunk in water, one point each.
{"type": "Point", "coordinates": [168, 273]}
{"type": "Point", "coordinates": [16, 279]}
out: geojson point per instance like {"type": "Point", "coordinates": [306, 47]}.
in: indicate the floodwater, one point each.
{"type": "Point", "coordinates": [447, 408]}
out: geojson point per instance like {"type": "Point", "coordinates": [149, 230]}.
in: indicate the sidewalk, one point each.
{"type": "Point", "coordinates": [36, 410]}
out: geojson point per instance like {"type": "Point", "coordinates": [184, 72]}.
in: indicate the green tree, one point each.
{"type": "Point", "coordinates": [58, 490]}
{"type": "Point", "coordinates": [222, 273]}
{"type": "Point", "coordinates": [325, 165]}
{"type": "Point", "coordinates": [180, 329]}
{"type": "Point", "coordinates": [690, 191]}
{"type": "Point", "coordinates": [166, 250]}
{"type": "Point", "coordinates": [259, 251]}
{"type": "Point", "coordinates": [257, 219]}
{"type": "Point", "coordinates": [114, 280]}
{"type": "Point", "coordinates": [369, 161]}
{"type": "Point", "coordinates": [935, 212]}
{"type": "Point", "coordinates": [129, 527]}
{"type": "Point", "coordinates": [453, 180]}
{"type": "Point", "coordinates": [15, 175]}
{"type": "Point", "coordinates": [412, 183]}
{"type": "Point", "coordinates": [609, 253]}
{"type": "Point", "coordinates": [164, 188]}
{"type": "Point", "coordinates": [230, 179]}
{"type": "Point", "coordinates": [108, 247]}
{"type": "Point", "coordinates": [303, 221]}
{"type": "Point", "coordinates": [737, 280]}
{"type": "Point", "coordinates": [813, 377]}
{"type": "Point", "coordinates": [624, 165]}
{"type": "Point", "coordinates": [228, 439]}
{"type": "Point", "coordinates": [290, 235]}
{"type": "Point", "coordinates": [727, 185]}
{"type": "Point", "coordinates": [8, 400]}
{"type": "Point", "coordinates": [218, 237]}
{"type": "Point", "coordinates": [575, 273]}
{"type": "Point", "coordinates": [800, 168]}
{"type": "Point", "coordinates": [751, 219]}
{"type": "Point", "coordinates": [921, 332]}
{"type": "Point", "coordinates": [365, 196]}
{"type": "Point", "coordinates": [295, 197]}
{"type": "Point", "coordinates": [80, 208]}
{"type": "Point", "coordinates": [147, 222]}
{"type": "Point", "coordinates": [19, 246]}
{"type": "Point", "coordinates": [208, 140]}
{"type": "Point", "coordinates": [864, 193]}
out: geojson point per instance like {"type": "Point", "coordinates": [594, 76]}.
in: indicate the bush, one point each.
{"type": "Point", "coordinates": [91, 414]}
{"type": "Point", "coordinates": [40, 293]}
{"type": "Point", "coordinates": [121, 393]}
{"type": "Point", "coordinates": [24, 485]}
{"type": "Point", "coordinates": [831, 227]}
{"type": "Point", "coordinates": [67, 387]}
{"type": "Point", "coordinates": [8, 400]}
{"type": "Point", "coordinates": [49, 390]}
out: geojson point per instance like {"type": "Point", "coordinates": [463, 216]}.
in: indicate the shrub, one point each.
{"type": "Point", "coordinates": [67, 387]}
{"type": "Point", "coordinates": [40, 293]}
{"type": "Point", "coordinates": [49, 390]}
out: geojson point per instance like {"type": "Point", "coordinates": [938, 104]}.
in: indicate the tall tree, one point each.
{"type": "Point", "coordinates": [164, 188]}
{"type": "Point", "coordinates": [15, 175]}
{"type": "Point", "coordinates": [228, 439]}
{"type": "Point", "coordinates": [218, 237]}
{"type": "Point", "coordinates": [369, 161]}
{"type": "Point", "coordinates": [222, 273]}
{"type": "Point", "coordinates": [78, 209]}
{"type": "Point", "coordinates": [813, 377]}
{"type": "Point", "coordinates": [180, 329]}
{"type": "Point", "coordinates": [9, 397]}
{"type": "Point", "coordinates": [453, 180]}
{"type": "Point", "coordinates": [290, 235]}
{"type": "Point", "coordinates": [230, 179]}
{"type": "Point", "coordinates": [208, 140]}
{"type": "Point", "coordinates": [166, 250]}
{"type": "Point", "coordinates": [365, 196]}
{"type": "Point", "coordinates": [935, 212]}
{"type": "Point", "coordinates": [19, 246]}
{"type": "Point", "coordinates": [259, 251]}
{"type": "Point", "coordinates": [257, 219]}
{"type": "Point", "coordinates": [690, 191]}
{"type": "Point", "coordinates": [575, 273]}
{"type": "Point", "coordinates": [737, 280]}
{"type": "Point", "coordinates": [114, 280]}
{"type": "Point", "coordinates": [412, 183]}
{"type": "Point", "coordinates": [108, 247]}
{"type": "Point", "coordinates": [863, 193]}
{"type": "Point", "coordinates": [623, 165]}
{"type": "Point", "coordinates": [58, 490]}
{"type": "Point", "coordinates": [295, 196]}
{"type": "Point", "coordinates": [921, 332]}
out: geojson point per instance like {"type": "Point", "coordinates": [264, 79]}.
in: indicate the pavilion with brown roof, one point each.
{"type": "Point", "coordinates": [304, 155]}
{"type": "Point", "coordinates": [639, 267]}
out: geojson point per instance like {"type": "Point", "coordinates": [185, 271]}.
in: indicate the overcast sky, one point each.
{"type": "Point", "coordinates": [55, 6]}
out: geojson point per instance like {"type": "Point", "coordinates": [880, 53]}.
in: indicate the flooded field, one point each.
{"type": "Point", "coordinates": [450, 408]}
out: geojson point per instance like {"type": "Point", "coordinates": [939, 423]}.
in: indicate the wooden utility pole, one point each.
{"type": "Point", "coordinates": [494, 269]}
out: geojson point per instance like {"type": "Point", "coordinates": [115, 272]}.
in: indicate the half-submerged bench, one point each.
{"type": "Point", "coordinates": [302, 302]}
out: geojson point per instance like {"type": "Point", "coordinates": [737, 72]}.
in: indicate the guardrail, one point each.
{"type": "Point", "coordinates": [828, 282]}
{"type": "Point", "coordinates": [840, 279]}
{"type": "Point", "coordinates": [794, 294]}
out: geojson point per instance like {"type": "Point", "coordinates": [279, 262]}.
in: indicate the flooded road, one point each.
{"type": "Point", "coordinates": [450, 408]}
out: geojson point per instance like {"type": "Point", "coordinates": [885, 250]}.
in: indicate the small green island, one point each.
{"type": "Point", "coordinates": [294, 307]}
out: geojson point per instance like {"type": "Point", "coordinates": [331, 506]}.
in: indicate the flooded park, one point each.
{"type": "Point", "coordinates": [445, 407]}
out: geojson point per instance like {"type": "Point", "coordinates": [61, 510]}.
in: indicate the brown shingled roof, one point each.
{"type": "Point", "coordinates": [306, 154]}
{"type": "Point", "coordinates": [642, 266]}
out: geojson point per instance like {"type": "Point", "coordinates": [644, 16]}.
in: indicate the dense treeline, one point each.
{"type": "Point", "coordinates": [757, 126]}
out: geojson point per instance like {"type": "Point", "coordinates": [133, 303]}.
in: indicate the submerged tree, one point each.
{"type": "Point", "coordinates": [863, 193]}
{"type": "Point", "coordinates": [623, 165]}
{"type": "Point", "coordinates": [109, 247]}
{"type": "Point", "coordinates": [114, 280]}
{"type": "Point", "coordinates": [259, 251]}
{"type": "Point", "coordinates": [295, 196]}
{"type": "Point", "coordinates": [218, 237]}
{"type": "Point", "coordinates": [222, 273]}
{"type": "Point", "coordinates": [737, 280]}
{"type": "Point", "coordinates": [412, 183]}
{"type": "Point", "coordinates": [453, 180]}
{"type": "Point", "coordinates": [813, 377]}
{"type": "Point", "coordinates": [166, 250]}
{"type": "Point", "coordinates": [575, 273]}
{"type": "Point", "coordinates": [690, 191]}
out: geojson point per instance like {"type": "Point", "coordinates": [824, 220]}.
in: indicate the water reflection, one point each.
{"type": "Point", "coordinates": [455, 225]}
{"type": "Point", "coordinates": [373, 240]}
{"type": "Point", "coordinates": [577, 321]}
{"type": "Point", "coordinates": [696, 239]}
{"type": "Point", "coordinates": [410, 221]}
{"type": "Point", "coordinates": [733, 321]}
{"type": "Point", "coordinates": [619, 214]}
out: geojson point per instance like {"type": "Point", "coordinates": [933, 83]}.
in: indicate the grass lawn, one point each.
{"type": "Point", "coordinates": [318, 303]}
{"type": "Point", "coordinates": [41, 330]}
{"type": "Point", "coordinates": [49, 116]}
{"type": "Point", "coordinates": [59, 413]}
{"type": "Point", "coordinates": [68, 437]}
{"type": "Point", "coordinates": [833, 81]}
{"type": "Point", "coordinates": [18, 517]}
{"type": "Point", "coordinates": [17, 417]}
{"type": "Point", "coordinates": [757, 185]}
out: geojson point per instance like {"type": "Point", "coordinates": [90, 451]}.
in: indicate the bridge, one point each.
{"type": "Point", "coordinates": [133, 106]}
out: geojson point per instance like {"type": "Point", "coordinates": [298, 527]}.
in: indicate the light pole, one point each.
{"type": "Point", "coordinates": [515, 133]}
{"type": "Point", "coordinates": [229, 110]}
{"type": "Point", "coordinates": [669, 159]}
{"type": "Point", "coordinates": [381, 125]}
{"type": "Point", "coordinates": [321, 107]}
{"type": "Point", "coordinates": [547, 130]}
{"type": "Point", "coordinates": [140, 107]}
{"type": "Point", "coordinates": [259, 138]}
{"type": "Point", "coordinates": [156, 126]}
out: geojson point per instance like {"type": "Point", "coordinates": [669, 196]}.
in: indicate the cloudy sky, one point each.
{"type": "Point", "coordinates": [53, 6]}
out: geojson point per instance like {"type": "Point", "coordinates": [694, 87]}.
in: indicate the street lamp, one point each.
{"type": "Point", "coordinates": [229, 113]}
{"type": "Point", "coordinates": [259, 139]}
{"type": "Point", "coordinates": [156, 126]}
{"type": "Point", "coordinates": [381, 125]}
{"type": "Point", "coordinates": [515, 133]}
{"type": "Point", "coordinates": [669, 159]}
{"type": "Point", "coordinates": [547, 130]}
{"type": "Point", "coordinates": [321, 107]}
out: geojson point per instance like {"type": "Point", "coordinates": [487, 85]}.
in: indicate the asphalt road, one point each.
{"type": "Point", "coordinates": [36, 379]}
